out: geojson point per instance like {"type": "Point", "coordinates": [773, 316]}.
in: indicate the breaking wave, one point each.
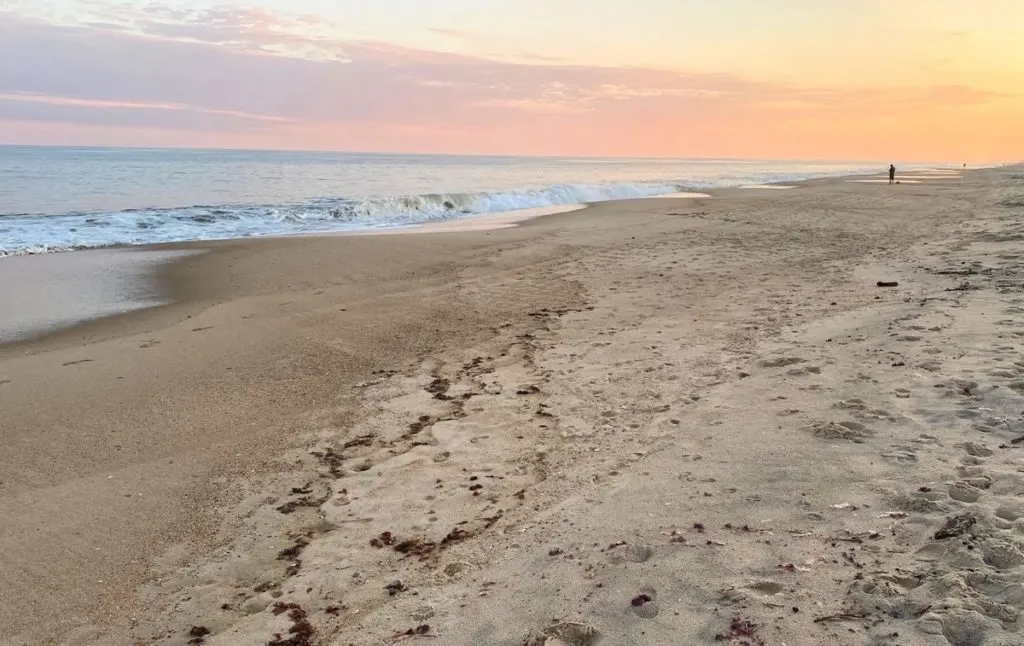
{"type": "Point", "coordinates": [37, 233]}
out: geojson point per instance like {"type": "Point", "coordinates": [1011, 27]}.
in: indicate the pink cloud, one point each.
{"type": "Point", "coordinates": [239, 75]}
{"type": "Point", "coordinates": [132, 105]}
{"type": "Point", "coordinates": [451, 33]}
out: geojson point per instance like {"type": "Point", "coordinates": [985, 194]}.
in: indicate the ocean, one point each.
{"type": "Point", "coordinates": [59, 199]}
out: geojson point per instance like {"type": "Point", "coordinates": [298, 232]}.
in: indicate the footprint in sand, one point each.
{"type": "Point", "coordinates": [1003, 373]}
{"type": "Point", "coordinates": [769, 588]}
{"type": "Point", "coordinates": [803, 371]}
{"type": "Point", "coordinates": [1002, 554]}
{"type": "Point", "coordinates": [200, 329]}
{"type": "Point", "coordinates": [75, 363]}
{"type": "Point", "coordinates": [850, 431]}
{"type": "Point", "coordinates": [976, 450]}
{"type": "Point", "coordinates": [781, 362]}
{"type": "Point", "coordinates": [963, 492]}
{"type": "Point", "coordinates": [568, 633]}
{"type": "Point", "coordinates": [901, 455]}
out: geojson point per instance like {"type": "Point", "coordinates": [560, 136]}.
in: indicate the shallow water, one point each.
{"type": "Point", "coordinates": [54, 199]}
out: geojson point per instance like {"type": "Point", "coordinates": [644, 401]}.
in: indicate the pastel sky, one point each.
{"type": "Point", "coordinates": [811, 79]}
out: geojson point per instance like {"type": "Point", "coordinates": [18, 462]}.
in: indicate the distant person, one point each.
{"type": "Point", "coordinates": [892, 173]}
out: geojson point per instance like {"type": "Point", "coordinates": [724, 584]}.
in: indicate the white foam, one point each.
{"type": "Point", "coordinates": [38, 233]}
{"type": "Point", "coordinates": [33, 234]}
{"type": "Point", "coordinates": [489, 222]}
{"type": "Point", "coordinates": [770, 187]}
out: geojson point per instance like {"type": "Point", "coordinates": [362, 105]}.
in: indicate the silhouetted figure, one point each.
{"type": "Point", "coordinates": [892, 173]}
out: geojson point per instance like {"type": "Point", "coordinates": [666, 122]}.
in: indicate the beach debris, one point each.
{"type": "Point", "coordinates": [415, 547]}
{"type": "Point", "coordinates": [956, 526]}
{"type": "Point", "coordinates": [292, 506]}
{"type": "Point", "coordinates": [439, 389]}
{"type": "Point", "coordinates": [331, 459]}
{"type": "Point", "coordinates": [422, 629]}
{"type": "Point", "coordinates": [362, 440]}
{"type": "Point", "coordinates": [421, 547]}
{"type": "Point", "coordinates": [292, 553]}
{"type": "Point", "coordinates": [385, 539]}
{"type": "Point", "coordinates": [396, 586]}
{"type": "Point", "coordinates": [643, 605]}
{"type": "Point", "coordinates": [742, 632]}
{"type": "Point", "coordinates": [301, 633]}
{"type": "Point", "coordinates": [455, 536]}
{"type": "Point", "coordinates": [887, 283]}
{"type": "Point", "coordinates": [197, 634]}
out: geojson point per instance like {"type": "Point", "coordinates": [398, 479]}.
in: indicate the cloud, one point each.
{"type": "Point", "coordinates": [253, 72]}
{"type": "Point", "coordinates": [101, 104]}
{"type": "Point", "coordinates": [451, 33]}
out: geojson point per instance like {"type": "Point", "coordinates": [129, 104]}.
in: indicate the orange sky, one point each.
{"type": "Point", "coordinates": [939, 80]}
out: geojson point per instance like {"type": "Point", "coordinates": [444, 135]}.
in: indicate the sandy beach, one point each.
{"type": "Point", "coordinates": [659, 421]}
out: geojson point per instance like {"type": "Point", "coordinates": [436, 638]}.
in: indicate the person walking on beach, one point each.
{"type": "Point", "coordinates": [892, 173]}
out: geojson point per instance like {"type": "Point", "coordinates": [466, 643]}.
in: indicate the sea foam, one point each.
{"type": "Point", "coordinates": [32, 233]}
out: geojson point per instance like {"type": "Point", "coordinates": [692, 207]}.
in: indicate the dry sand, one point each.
{"type": "Point", "coordinates": [652, 422]}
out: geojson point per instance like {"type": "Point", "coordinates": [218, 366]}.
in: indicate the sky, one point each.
{"type": "Point", "coordinates": [938, 80]}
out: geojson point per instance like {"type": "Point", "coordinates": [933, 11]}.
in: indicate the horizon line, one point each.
{"type": "Point", "coordinates": [485, 154]}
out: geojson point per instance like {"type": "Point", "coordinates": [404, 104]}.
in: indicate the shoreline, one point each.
{"type": "Point", "coordinates": [370, 228]}
{"type": "Point", "coordinates": [148, 281]}
{"type": "Point", "coordinates": [557, 364]}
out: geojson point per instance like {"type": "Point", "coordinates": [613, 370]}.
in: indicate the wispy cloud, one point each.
{"type": "Point", "coordinates": [451, 32]}
{"type": "Point", "coordinates": [254, 71]}
{"type": "Point", "coordinates": [104, 104]}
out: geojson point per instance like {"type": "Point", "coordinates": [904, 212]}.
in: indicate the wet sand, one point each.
{"type": "Point", "coordinates": [656, 421]}
{"type": "Point", "coordinates": [41, 297]}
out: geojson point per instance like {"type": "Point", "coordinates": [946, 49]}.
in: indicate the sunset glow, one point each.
{"type": "Point", "coordinates": [852, 79]}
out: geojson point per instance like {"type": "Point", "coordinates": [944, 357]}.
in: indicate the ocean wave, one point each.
{"type": "Point", "coordinates": [31, 234]}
